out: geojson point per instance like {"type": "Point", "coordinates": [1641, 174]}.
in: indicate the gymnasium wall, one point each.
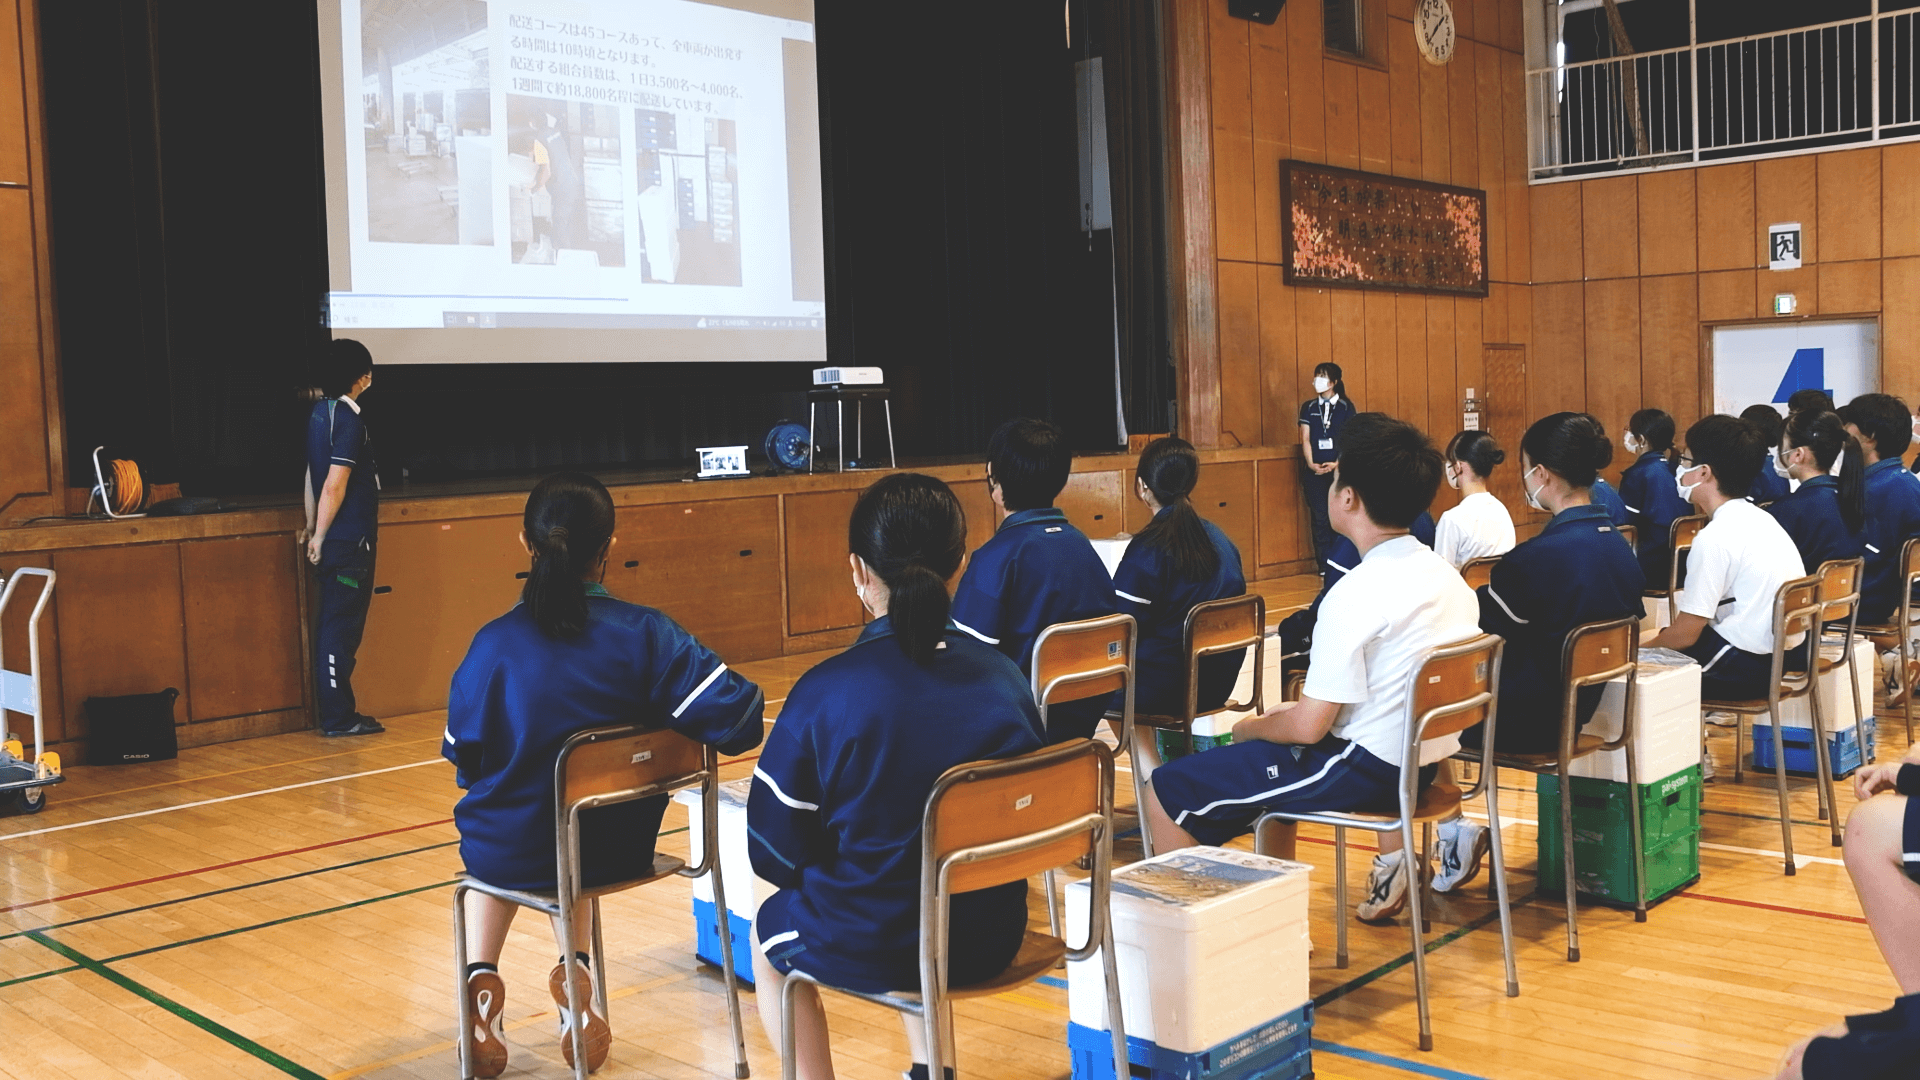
{"type": "Point", "coordinates": [32, 465]}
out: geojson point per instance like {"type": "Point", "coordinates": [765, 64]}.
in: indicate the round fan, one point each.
{"type": "Point", "coordinates": [787, 446]}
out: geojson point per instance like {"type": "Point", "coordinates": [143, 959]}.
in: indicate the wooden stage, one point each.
{"type": "Point", "coordinates": [279, 906]}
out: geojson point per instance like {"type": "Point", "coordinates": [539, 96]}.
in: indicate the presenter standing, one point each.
{"type": "Point", "coordinates": [1321, 418]}
{"type": "Point", "coordinates": [342, 502]}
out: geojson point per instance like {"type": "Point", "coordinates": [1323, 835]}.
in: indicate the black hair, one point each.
{"type": "Point", "coordinates": [911, 531]}
{"type": "Point", "coordinates": [341, 364]}
{"type": "Point", "coordinates": [1809, 399]}
{"type": "Point", "coordinates": [1391, 465]}
{"type": "Point", "coordinates": [568, 522]}
{"type": "Point", "coordinates": [1571, 445]}
{"type": "Point", "coordinates": [1478, 449]}
{"type": "Point", "coordinates": [1883, 420]}
{"type": "Point", "coordinates": [1731, 446]}
{"type": "Point", "coordinates": [1656, 427]}
{"type": "Point", "coordinates": [1030, 461]}
{"type": "Point", "coordinates": [1332, 371]}
{"type": "Point", "coordinates": [1826, 436]}
{"type": "Point", "coordinates": [1766, 420]}
{"type": "Point", "coordinates": [1170, 468]}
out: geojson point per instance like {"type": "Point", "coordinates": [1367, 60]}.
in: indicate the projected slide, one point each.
{"type": "Point", "coordinates": [529, 180]}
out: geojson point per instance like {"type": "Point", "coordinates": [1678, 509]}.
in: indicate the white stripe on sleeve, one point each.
{"type": "Point", "coordinates": [698, 690]}
{"type": "Point", "coordinates": [1504, 607]}
{"type": "Point", "coordinates": [976, 633]}
{"type": "Point", "coordinates": [450, 741]}
{"type": "Point", "coordinates": [761, 775]}
{"type": "Point", "coordinates": [1129, 596]}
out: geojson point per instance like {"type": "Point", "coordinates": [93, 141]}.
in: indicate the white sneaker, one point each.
{"type": "Point", "coordinates": [1706, 764]}
{"type": "Point", "coordinates": [1722, 719]}
{"type": "Point", "coordinates": [1458, 849]}
{"type": "Point", "coordinates": [1386, 889]}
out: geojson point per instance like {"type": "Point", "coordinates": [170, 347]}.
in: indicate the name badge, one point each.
{"type": "Point", "coordinates": [1325, 444]}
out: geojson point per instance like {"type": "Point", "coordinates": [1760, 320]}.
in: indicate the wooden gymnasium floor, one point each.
{"type": "Point", "coordinates": [280, 906]}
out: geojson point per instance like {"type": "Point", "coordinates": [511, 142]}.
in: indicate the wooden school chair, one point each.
{"type": "Point", "coordinates": [1899, 635]}
{"type": "Point", "coordinates": [1593, 654]}
{"type": "Point", "coordinates": [1212, 628]}
{"type": "Point", "coordinates": [1073, 661]}
{"type": "Point", "coordinates": [602, 767]}
{"type": "Point", "coordinates": [1679, 541]}
{"type": "Point", "coordinates": [1796, 610]}
{"type": "Point", "coordinates": [1450, 690]}
{"type": "Point", "coordinates": [1840, 608]}
{"type": "Point", "coordinates": [989, 823]}
{"type": "Point", "coordinates": [1630, 534]}
{"type": "Point", "coordinates": [1478, 572]}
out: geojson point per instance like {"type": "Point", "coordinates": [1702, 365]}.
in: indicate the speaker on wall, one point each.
{"type": "Point", "coordinates": [1260, 11]}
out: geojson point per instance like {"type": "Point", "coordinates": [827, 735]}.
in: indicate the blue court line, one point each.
{"type": "Point", "coordinates": [1391, 1062]}
{"type": "Point", "coordinates": [1049, 980]}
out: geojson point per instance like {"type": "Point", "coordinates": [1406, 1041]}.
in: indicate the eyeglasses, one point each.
{"type": "Point", "coordinates": [1687, 462]}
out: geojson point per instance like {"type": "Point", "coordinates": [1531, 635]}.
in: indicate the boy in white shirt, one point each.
{"type": "Point", "coordinates": [1738, 563]}
{"type": "Point", "coordinates": [1340, 746]}
{"type": "Point", "coordinates": [1480, 526]}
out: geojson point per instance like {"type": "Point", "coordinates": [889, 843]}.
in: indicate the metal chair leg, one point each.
{"type": "Point", "coordinates": [724, 919]}
{"type": "Point", "coordinates": [1414, 925]}
{"type": "Point", "coordinates": [1780, 784]}
{"type": "Point", "coordinates": [599, 960]}
{"type": "Point", "coordinates": [1423, 880]}
{"type": "Point", "coordinates": [576, 1023]}
{"type": "Point", "coordinates": [463, 1038]}
{"type": "Point", "coordinates": [1340, 896]}
{"type": "Point", "coordinates": [1822, 759]}
{"type": "Point", "coordinates": [1053, 902]}
{"type": "Point", "coordinates": [1567, 868]}
{"type": "Point", "coordinates": [1110, 961]}
{"type": "Point", "coordinates": [789, 1068]}
{"type": "Point", "coordinates": [1500, 882]}
{"type": "Point", "coordinates": [1636, 835]}
{"type": "Point", "coordinates": [1740, 745]}
{"type": "Point", "coordinates": [1859, 710]}
{"type": "Point", "coordinates": [1145, 759]}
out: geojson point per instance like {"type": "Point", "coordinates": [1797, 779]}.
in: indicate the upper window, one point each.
{"type": "Point", "coordinates": [1343, 27]}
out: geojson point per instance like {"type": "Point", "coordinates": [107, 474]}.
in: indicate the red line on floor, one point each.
{"type": "Point", "coordinates": [222, 866]}
{"type": "Point", "coordinates": [1835, 916]}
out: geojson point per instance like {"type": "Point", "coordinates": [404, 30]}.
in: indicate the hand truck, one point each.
{"type": "Point", "coordinates": [23, 782]}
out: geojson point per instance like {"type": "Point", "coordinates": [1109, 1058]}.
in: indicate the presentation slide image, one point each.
{"type": "Point", "coordinates": [564, 183]}
{"type": "Point", "coordinates": [688, 171]}
{"type": "Point", "coordinates": [427, 114]}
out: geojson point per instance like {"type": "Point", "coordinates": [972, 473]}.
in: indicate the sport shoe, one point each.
{"type": "Point", "coordinates": [599, 1037]}
{"type": "Point", "coordinates": [1722, 719]}
{"type": "Point", "coordinates": [487, 997]}
{"type": "Point", "coordinates": [1386, 889]}
{"type": "Point", "coordinates": [1458, 851]}
{"type": "Point", "coordinates": [368, 726]}
{"type": "Point", "coordinates": [1706, 764]}
{"type": "Point", "coordinates": [1899, 695]}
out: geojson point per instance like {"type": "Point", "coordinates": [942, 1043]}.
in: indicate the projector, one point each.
{"type": "Point", "coordinates": [847, 376]}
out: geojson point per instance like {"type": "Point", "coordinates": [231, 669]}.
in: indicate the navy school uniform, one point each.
{"type": "Point", "coordinates": [1423, 529]}
{"type": "Point", "coordinates": [337, 435]}
{"type": "Point", "coordinates": [1893, 518]}
{"type": "Point", "coordinates": [1296, 630]}
{"type": "Point", "coordinates": [1811, 516]}
{"type": "Point", "coordinates": [1652, 496]}
{"type": "Point", "coordinates": [520, 694]}
{"type": "Point", "coordinates": [1148, 589]}
{"type": "Point", "coordinates": [1036, 571]}
{"type": "Point", "coordinates": [1577, 571]}
{"type": "Point", "coordinates": [838, 797]}
{"type": "Point", "coordinates": [1768, 485]}
{"type": "Point", "coordinates": [1323, 417]}
{"type": "Point", "coordinates": [1604, 496]}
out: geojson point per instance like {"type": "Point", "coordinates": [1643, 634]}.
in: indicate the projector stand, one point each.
{"type": "Point", "coordinates": [839, 395]}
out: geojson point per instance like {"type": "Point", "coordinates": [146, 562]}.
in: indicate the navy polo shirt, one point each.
{"type": "Point", "coordinates": [336, 435]}
{"type": "Point", "coordinates": [1422, 529]}
{"type": "Point", "coordinates": [1811, 515]}
{"type": "Point", "coordinates": [1603, 495]}
{"type": "Point", "coordinates": [1893, 518]}
{"type": "Point", "coordinates": [1577, 571]}
{"type": "Point", "coordinates": [1769, 485]}
{"type": "Point", "coordinates": [1324, 419]}
{"type": "Point", "coordinates": [1149, 590]}
{"type": "Point", "coordinates": [838, 797]}
{"type": "Point", "coordinates": [1036, 571]}
{"type": "Point", "coordinates": [1652, 497]}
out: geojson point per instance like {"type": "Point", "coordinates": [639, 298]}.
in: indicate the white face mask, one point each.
{"type": "Point", "coordinates": [1780, 464]}
{"type": "Point", "coordinates": [1686, 490]}
{"type": "Point", "coordinates": [1916, 430]}
{"type": "Point", "coordinates": [1453, 477]}
{"type": "Point", "coordinates": [1533, 493]}
{"type": "Point", "coordinates": [1322, 384]}
{"type": "Point", "coordinates": [1632, 443]}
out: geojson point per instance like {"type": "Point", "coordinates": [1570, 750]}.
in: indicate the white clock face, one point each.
{"type": "Point", "coordinates": [1433, 29]}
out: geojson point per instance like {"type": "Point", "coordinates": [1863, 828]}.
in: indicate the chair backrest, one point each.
{"type": "Point", "coordinates": [1680, 540]}
{"type": "Point", "coordinates": [1840, 588]}
{"type": "Point", "coordinates": [1910, 559]}
{"type": "Point", "coordinates": [1478, 572]}
{"type": "Point", "coordinates": [1007, 820]}
{"type": "Point", "coordinates": [608, 765]}
{"type": "Point", "coordinates": [1630, 534]}
{"type": "Point", "coordinates": [1453, 689]}
{"type": "Point", "coordinates": [1218, 626]}
{"type": "Point", "coordinates": [1073, 661]}
{"type": "Point", "coordinates": [1796, 610]}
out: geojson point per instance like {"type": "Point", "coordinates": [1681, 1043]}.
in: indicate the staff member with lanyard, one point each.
{"type": "Point", "coordinates": [343, 501]}
{"type": "Point", "coordinates": [1321, 418]}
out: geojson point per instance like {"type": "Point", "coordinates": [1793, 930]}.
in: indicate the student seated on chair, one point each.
{"type": "Point", "coordinates": [1038, 569]}
{"type": "Point", "coordinates": [1826, 513]}
{"type": "Point", "coordinates": [1883, 858]}
{"type": "Point", "coordinates": [1650, 493]}
{"type": "Point", "coordinates": [1577, 571]}
{"type": "Point", "coordinates": [1607, 499]}
{"type": "Point", "coordinates": [1740, 559]}
{"type": "Point", "coordinates": [567, 658]}
{"type": "Point", "coordinates": [1180, 559]}
{"type": "Point", "coordinates": [838, 795]}
{"type": "Point", "coordinates": [1769, 483]}
{"type": "Point", "coordinates": [1296, 630]}
{"type": "Point", "coordinates": [1884, 429]}
{"type": "Point", "coordinates": [1339, 747]}
{"type": "Point", "coordinates": [1480, 526]}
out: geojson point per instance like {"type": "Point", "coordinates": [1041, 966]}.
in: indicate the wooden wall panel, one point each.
{"type": "Point", "coordinates": [1092, 500]}
{"type": "Point", "coordinates": [1900, 328]}
{"type": "Point", "coordinates": [1239, 353]}
{"type": "Point", "coordinates": [1669, 239]}
{"type": "Point", "coordinates": [1556, 370]}
{"type": "Point", "coordinates": [1410, 369]}
{"type": "Point", "coordinates": [16, 651]}
{"type": "Point", "coordinates": [1463, 107]}
{"type": "Point", "coordinates": [1376, 119]}
{"type": "Point", "coordinates": [1784, 189]}
{"type": "Point", "coordinates": [1306, 86]}
{"type": "Point", "coordinates": [1727, 295]}
{"type": "Point", "coordinates": [1383, 354]}
{"type": "Point", "coordinates": [1313, 339]}
{"type": "Point", "coordinates": [1556, 223]}
{"type": "Point", "coordinates": [120, 616]}
{"type": "Point", "coordinates": [1849, 288]}
{"type": "Point", "coordinates": [1403, 95]}
{"type": "Point", "coordinates": [1347, 325]}
{"type": "Point", "coordinates": [1669, 349]}
{"type": "Point", "coordinates": [1284, 535]}
{"type": "Point", "coordinates": [1609, 216]}
{"type": "Point", "coordinates": [1233, 159]}
{"type": "Point", "coordinates": [1613, 350]}
{"type": "Point", "coordinates": [1900, 200]}
{"type": "Point", "coordinates": [1224, 496]}
{"type": "Point", "coordinates": [1272, 133]}
{"type": "Point", "coordinates": [1440, 419]}
{"type": "Point", "coordinates": [819, 583]}
{"type": "Point", "coordinates": [14, 157]}
{"type": "Point", "coordinates": [1469, 334]}
{"type": "Point", "coordinates": [1726, 214]}
{"type": "Point", "coordinates": [1279, 375]}
{"type": "Point", "coordinates": [1849, 203]}
{"type": "Point", "coordinates": [1436, 162]}
{"type": "Point", "coordinates": [1519, 218]}
{"type": "Point", "coordinates": [1803, 283]}
{"type": "Point", "coordinates": [974, 498]}
{"type": "Point", "coordinates": [243, 625]}
{"type": "Point", "coordinates": [24, 449]}
{"type": "Point", "coordinates": [713, 566]}
{"type": "Point", "coordinates": [1491, 159]}
{"type": "Point", "coordinates": [1342, 115]}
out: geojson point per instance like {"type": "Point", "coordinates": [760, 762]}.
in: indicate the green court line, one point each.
{"type": "Point", "coordinates": [271, 922]}
{"type": "Point", "coordinates": [214, 1028]}
{"type": "Point", "coordinates": [41, 975]}
{"type": "Point", "coordinates": [1406, 958]}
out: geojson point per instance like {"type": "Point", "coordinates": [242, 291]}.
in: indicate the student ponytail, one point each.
{"type": "Point", "coordinates": [1170, 468]}
{"type": "Point", "coordinates": [1571, 445]}
{"type": "Point", "coordinates": [569, 521]}
{"type": "Point", "coordinates": [1826, 436]}
{"type": "Point", "coordinates": [910, 530]}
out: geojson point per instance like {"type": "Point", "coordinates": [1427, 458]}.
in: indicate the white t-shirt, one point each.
{"type": "Point", "coordinates": [1480, 526]}
{"type": "Point", "coordinates": [1374, 625]}
{"type": "Point", "coordinates": [1737, 565]}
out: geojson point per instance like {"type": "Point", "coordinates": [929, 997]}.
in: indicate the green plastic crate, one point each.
{"type": "Point", "coordinates": [1173, 744]}
{"type": "Point", "coordinates": [1603, 868]}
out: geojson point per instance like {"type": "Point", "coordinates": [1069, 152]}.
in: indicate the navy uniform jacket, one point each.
{"type": "Point", "coordinates": [1036, 571]}
{"type": "Point", "coordinates": [1893, 518]}
{"type": "Point", "coordinates": [1324, 419]}
{"type": "Point", "coordinates": [1577, 571]}
{"type": "Point", "coordinates": [1811, 515]}
{"type": "Point", "coordinates": [1616, 507]}
{"type": "Point", "coordinates": [519, 694]}
{"type": "Point", "coordinates": [1769, 486]}
{"type": "Point", "coordinates": [1652, 496]}
{"type": "Point", "coordinates": [839, 793]}
{"type": "Point", "coordinates": [336, 435]}
{"type": "Point", "coordinates": [1148, 590]}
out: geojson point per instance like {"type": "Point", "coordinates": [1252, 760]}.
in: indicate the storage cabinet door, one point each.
{"type": "Point", "coordinates": [435, 584]}
{"type": "Point", "coordinates": [714, 566]}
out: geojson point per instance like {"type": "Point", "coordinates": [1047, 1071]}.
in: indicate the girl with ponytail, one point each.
{"type": "Point", "coordinates": [1827, 512]}
{"type": "Point", "coordinates": [567, 658]}
{"type": "Point", "coordinates": [1180, 559]}
{"type": "Point", "coordinates": [1321, 418]}
{"type": "Point", "coordinates": [838, 795]}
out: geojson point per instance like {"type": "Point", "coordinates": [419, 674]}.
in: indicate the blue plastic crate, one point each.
{"type": "Point", "coordinates": [1280, 1049]}
{"type": "Point", "coordinates": [1844, 754]}
{"type": "Point", "coordinates": [706, 942]}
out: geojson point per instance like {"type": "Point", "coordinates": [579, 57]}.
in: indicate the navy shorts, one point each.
{"type": "Point", "coordinates": [1217, 795]}
{"type": "Point", "coordinates": [1877, 1046]}
{"type": "Point", "coordinates": [1910, 845]}
{"type": "Point", "coordinates": [1730, 674]}
{"type": "Point", "coordinates": [985, 931]}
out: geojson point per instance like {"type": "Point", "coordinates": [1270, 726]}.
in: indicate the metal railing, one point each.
{"type": "Point", "coordinates": [1850, 81]}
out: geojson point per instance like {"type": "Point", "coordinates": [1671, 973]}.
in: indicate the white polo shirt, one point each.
{"type": "Point", "coordinates": [1737, 565]}
{"type": "Point", "coordinates": [1374, 625]}
{"type": "Point", "coordinates": [1480, 526]}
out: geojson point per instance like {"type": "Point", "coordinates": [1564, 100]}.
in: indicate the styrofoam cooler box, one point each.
{"type": "Point", "coordinates": [745, 890]}
{"type": "Point", "coordinates": [1836, 701]}
{"type": "Point", "coordinates": [1666, 720]}
{"type": "Point", "coordinates": [1212, 943]}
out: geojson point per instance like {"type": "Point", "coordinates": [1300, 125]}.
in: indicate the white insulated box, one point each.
{"type": "Point", "coordinates": [1667, 729]}
{"type": "Point", "coordinates": [1211, 943]}
{"type": "Point", "coordinates": [744, 890]}
{"type": "Point", "coordinates": [1836, 701]}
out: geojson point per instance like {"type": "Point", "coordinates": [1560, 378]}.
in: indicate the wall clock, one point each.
{"type": "Point", "coordinates": [1433, 29]}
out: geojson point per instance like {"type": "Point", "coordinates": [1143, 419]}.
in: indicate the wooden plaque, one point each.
{"type": "Point", "coordinates": [1357, 230]}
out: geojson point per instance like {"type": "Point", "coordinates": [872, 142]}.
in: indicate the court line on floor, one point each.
{"type": "Point", "coordinates": [68, 801]}
{"type": "Point", "coordinates": [1834, 915]}
{"type": "Point", "coordinates": [1373, 1057]}
{"type": "Point", "coordinates": [1705, 845]}
{"type": "Point", "coordinates": [1321, 1001]}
